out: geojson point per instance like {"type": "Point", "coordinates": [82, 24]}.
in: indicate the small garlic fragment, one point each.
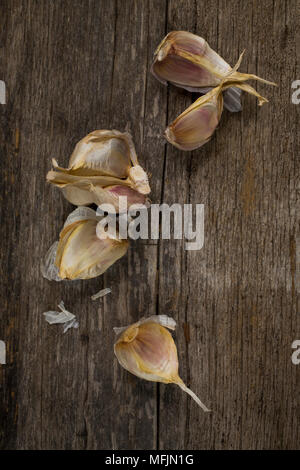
{"type": "Point", "coordinates": [71, 324]}
{"type": "Point", "coordinates": [195, 126]}
{"type": "Point", "coordinates": [147, 350]}
{"type": "Point", "coordinates": [101, 293]}
{"type": "Point", "coordinates": [53, 317]}
{"type": "Point", "coordinates": [48, 268]}
{"type": "Point", "coordinates": [103, 166]}
{"type": "Point", "coordinates": [68, 319]}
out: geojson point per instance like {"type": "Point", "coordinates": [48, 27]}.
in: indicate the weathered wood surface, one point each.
{"type": "Point", "coordinates": [74, 66]}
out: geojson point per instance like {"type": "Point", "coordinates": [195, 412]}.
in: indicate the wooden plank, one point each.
{"type": "Point", "coordinates": [239, 291]}
{"type": "Point", "coordinates": [173, 283]}
{"type": "Point", "coordinates": [128, 414]}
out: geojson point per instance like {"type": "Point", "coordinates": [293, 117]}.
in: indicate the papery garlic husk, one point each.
{"type": "Point", "coordinates": [195, 126]}
{"type": "Point", "coordinates": [101, 161]}
{"type": "Point", "coordinates": [80, 253]}
{"type": "Point", "coordinates": [147, 350]}
{"type": "Point", "coordinates": [187, 61]}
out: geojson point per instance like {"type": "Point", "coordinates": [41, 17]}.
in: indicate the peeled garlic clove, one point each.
{"type": "Point", "coordinates": [81, 254]}
{"type": "Point", "coordinates": [147, 350]}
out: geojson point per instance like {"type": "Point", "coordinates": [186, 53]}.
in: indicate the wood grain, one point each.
{"type": "Point", "coordinates": [74, 66]}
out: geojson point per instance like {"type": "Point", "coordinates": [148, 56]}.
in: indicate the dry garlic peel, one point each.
{"type": "Point", "coordinates": [103, 152]}
{"type": "Point", "coordinates": [187, 61]}
{"type": "Point", "coordinates": [147, 350]}
{"type": "Point", "coordinates": [195, 126]}
{"type": "Point", "coordinates": [100, 161]}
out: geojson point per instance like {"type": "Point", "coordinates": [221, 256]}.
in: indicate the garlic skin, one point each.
{"type": "Point", "coordinates": [80, 253]}
{"type": "Point", "coordinates": [147, 350]}
{"type": "Point", "coordinates": [101, 161]}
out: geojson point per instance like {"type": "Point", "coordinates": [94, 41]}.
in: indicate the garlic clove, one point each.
{"type": "Point", "coordinates": [186, 60]}
{"type": "Point", "coordinates": [74, 219]}
{"type": "Point", "coordinates": [49, 266]}
{"type": "Point", "coordinates": [147, 350]}
{"type": "Point", "coordinates": [81, 254]}
{"type": "Point", "coordinates": [103, 158]}
{"type": "Point", "coordinates": [195, 126]}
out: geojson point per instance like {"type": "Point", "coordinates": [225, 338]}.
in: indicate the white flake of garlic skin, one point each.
{"type": "Point", "coordinates": [48, 268]}
{"type": "Point", "coordinates": [63, 317]}
{"type": "Point", "coordinates": [2, 352]}
{"type": "Point", "coordinates": [146, 349]}
{"type": "Point", "coordinates": [101, 293]}
{"type": "Point", "coordinates": [71, 324]}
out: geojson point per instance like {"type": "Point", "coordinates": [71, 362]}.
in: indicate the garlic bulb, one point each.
{"type": "Point", "coordinates": [103, 166]}
{"type": "Point", "coordinates": [187, 61]}
{"type": "Point", "coordinates": [195, 126]}
{"type": "Point", "coordinates": [147, 350]}
{"type": "Point", "coordinates": [80, 254]}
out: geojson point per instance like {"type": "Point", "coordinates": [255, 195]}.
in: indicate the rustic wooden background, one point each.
{"type": "Point", "coordinates": [74, 66]}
